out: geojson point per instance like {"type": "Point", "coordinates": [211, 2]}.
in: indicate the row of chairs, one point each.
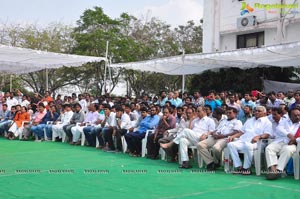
{"type": "Point", "coordinates": [259, 153]}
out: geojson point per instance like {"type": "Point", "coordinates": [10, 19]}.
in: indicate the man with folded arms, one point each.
{"type": "Point", "coordinates": [201, 126]}
{"type": "Point", "coordinates": [284, 144]}
{"type": "Point", "coordinates": [256, 128]}
{"type": "Point", "coordinates": [217, 139]}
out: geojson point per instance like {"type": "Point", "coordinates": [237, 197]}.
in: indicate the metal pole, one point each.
{"type": "Point", "coordinates": [109, 72]}
{"type": "Point", "coordinates": [47, 79]}
{"type": "Point", "coordinates": [105, 68]}
{"type": "Point", "coordinates": [10, 83]}
{"type": "Point", "coordinates": [183, 76]}
{"type": "Point", "coordinates": [183, 83]}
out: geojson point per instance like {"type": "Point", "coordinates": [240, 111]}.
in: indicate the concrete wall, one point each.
{"type": "Point", "coordinates": [224, 25]}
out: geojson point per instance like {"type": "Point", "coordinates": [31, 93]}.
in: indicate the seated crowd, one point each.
{"type": "Point", "coordinates": [170, 122]}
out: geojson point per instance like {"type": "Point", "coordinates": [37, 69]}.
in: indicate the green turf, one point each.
{"type": "Point", "coordinates": [118, 176]}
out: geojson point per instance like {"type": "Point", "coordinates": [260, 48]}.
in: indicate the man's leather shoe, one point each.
{"type": "Point", "coordinates": [211, 167]}
{"type": "Point", "coordinates": [185, 165]}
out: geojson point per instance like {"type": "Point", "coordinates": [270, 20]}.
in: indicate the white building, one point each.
{"type": "Point", "coordinates": [226, 26]}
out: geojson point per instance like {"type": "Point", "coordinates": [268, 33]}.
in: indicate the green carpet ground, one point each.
{"type": "Point", "coordinates": [57, 170]}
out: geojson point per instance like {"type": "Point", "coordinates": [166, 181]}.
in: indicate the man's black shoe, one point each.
{"type": "Point", "coordinates": [185, 165]}
{"type": "Point", "coordinates": [211, 167]}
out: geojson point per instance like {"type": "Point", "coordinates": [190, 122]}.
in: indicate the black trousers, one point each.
{"type": "Point", "coordinates": [134, 141]}
{"type": "Point", "coordinates": [107, 135]}
{"type": "Point", "coordinates": [67, 130]}
{"type": "Point", "coordinates": [119, 134]}
{"type": "Point", "coordinates": [153, 145]}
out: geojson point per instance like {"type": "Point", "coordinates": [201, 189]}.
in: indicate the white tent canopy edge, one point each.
{"type": "Point", "coordinates": [281, 55]}
{"type": "Point", "coordinates": [14, 60]}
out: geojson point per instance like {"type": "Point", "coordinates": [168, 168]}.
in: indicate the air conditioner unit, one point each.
{"type": "Point", "coordinates": [246, 21]}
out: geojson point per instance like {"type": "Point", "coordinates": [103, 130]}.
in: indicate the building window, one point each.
{"type": "Point", "coordinates": [251, 40]}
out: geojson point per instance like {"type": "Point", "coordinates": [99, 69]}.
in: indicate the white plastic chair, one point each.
{"type": "Point", "coordinates": [259, 153]}
{"type": "Point", "coordinates": [144, 142]}
{"type": "Point", "coordinates": [261, 144]}
{"type": "Point", "coordinates": [53, 138]}
{"type": "Point", "coordinates": [124, 144]}
{"type": "Point", "coordinates": [196, 155]}
{"type": "Point", "coordinates": [296, 160]}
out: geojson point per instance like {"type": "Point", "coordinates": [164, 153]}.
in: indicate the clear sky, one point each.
{"type": "Point", "coordinates": [43, 12]}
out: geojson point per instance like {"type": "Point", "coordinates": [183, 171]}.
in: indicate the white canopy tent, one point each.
{"type": "Point", "coordinates": [282, 55]}
{"type": "Point", "coordinates": [14, 60]}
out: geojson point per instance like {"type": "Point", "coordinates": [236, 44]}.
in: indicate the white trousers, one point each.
{"type": "Point", "coordinates": [57, 130]}
{"type": "Point", "coordinates": [246, 148]}
{"type": "Point", "coordinates": [186, 138]}
{"type": "Point", "coordinates": [284, 151]}
{"type": "Point", "coordinates": [76, 132]}
{"type": "Point", "coordinates": [14, 128]}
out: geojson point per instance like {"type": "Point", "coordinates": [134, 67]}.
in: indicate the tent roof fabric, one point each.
{"type": "Point", "coordinates": [281, 55]}
{"type": "Point", "coordinates": [16, 60]}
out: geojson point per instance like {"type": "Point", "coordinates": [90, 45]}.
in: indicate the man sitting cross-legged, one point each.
{"type": "Point", "coordinates": [185, 122]}
{"type": "Point", "coordinates": [201, 126]}
{"type": "Point", "coordinates": [166, 122]}
{"type": "Point", "coordinates": [217, 139]}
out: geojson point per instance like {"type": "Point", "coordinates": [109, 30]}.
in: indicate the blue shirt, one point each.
{"type": "Point", "coordinates": [48, 117]}
{"type": "Point", "coordinates": [176, 102]}
{"type": "Point", "coordinates": [213, 104]}
{"type": "Point", "coordinates": [148, 123]}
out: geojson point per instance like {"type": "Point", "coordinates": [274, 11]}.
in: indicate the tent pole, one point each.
{"type": "Point", "coordinates": [183, 76]}
{"type": "Point", "coordinates": [183, 83]}
{"type": "Point", "coordinates": [105, 68]}
{"type": "Point", "coordinates": [47, 79]}
{"type": "Point", "coordinates": [109, 72]}
{"type": "Point", "coordinates": [10, 83]}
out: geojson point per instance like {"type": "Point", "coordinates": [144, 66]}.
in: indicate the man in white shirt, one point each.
{"type": "Point", "coordinates": [255, 128]}
{"type": "Point", "coordinates": [123, 123]}
{"type": "Point", "coordinates": [83, 103]}
{"type": "Point", "coordinates": [57, 127]}
{"type": "Point", "coordinates": [201, 126]}
{"type": "Point", "coordinates": [108, 124]}
{"type": "Point", "coordinates": [284, 144]}
{"type": "Point", "coordinates": [10, 100]}
{"type": "Point", "coordinates": [185, 122]}
{"type": "Point", "coordinates": [217, 139]}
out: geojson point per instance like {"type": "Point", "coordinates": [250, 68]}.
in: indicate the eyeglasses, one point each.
{"type": "Point", "coordinates": [258, 111]}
